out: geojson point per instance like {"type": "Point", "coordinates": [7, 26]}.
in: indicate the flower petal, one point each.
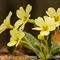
{"type": "Point", "coordinates": [28, 9]}
{"type": "Point", "coordinates": [7, 20]}
{"type": "Point", "coordinates": [2, 28]}
{"type": "Point", "coordinates": [21, 34]}
{"type": "Point", "coordinates": [18, 23]}
{"type": "Point", "coordinates": [39, 21]}
{"type": "Point", "coordinates": [44, 33]}
{"type": "Point", "coordinates": [20, 13]}
{"type": "Point", "coordinates": [22, 27]}
{"type": "Point", "coordinates": [45, 17]}
{"type": "Point", "coordinates": [50, 21]}
{"type": "Point", "coordinates": [51, 12]}
{"type": "Point", "coordinates": [53, 27]}
{"type": "Point", "coordinates": [13, 33]}
{"type": "Point", "coordinates": [57, 24]}
{"type": "Point", "coordinates": [20, 37]}
{"type": "Point", "coordinates": [12, 42]}
{"type": "Point", "coordinates": [36, 28]}
{"type": "Point", "coordinates": [58, 12]}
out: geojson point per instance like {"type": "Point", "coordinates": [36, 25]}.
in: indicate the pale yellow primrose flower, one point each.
{"type": "Point", "coordinates": [45, 26]}
{"type": "Point", "coordinates": [23, 16]}
{"type": "Point", "coordinates": [16, 37]}
{"type": "Point", "coordinates": [6, 23]}
{"type": "Point", "coordinates": [56, 14]}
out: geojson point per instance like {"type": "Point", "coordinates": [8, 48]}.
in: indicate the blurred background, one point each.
{"type": "Point", "coordinates": [38, 9]}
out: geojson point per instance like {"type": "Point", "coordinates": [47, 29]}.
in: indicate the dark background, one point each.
{"type": "Point", "coordinates": [38, 9]}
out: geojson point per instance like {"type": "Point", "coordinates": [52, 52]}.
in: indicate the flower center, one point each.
{"type": "Point", "coordinates": [57, 18]}
{"type": "Point", "coordinates": [25, 18]}
{"type": "Point", "coordinates": [17, 39]}
{"type": "Point", "coordinates": [45, 28]}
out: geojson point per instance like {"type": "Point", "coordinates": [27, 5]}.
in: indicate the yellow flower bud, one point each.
{"type": "Point", "coordinates": [40, 37]}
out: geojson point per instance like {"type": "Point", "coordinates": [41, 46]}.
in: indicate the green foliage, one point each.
{"type": "Point", "coordinates": [55, 48]}
{"type": "Point", "coordinates": [29, 41]}
{"type": "Point", "coordinates": [43, 50]}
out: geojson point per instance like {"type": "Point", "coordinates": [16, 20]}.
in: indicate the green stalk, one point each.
{"type": "Point", "coordinates": [47, 48]}
{"type": "Point", "coordinates": [39, 53]}
{"type": "Point", "coordinates": [35, 50]}
{"type": "Point", "coordinates": [31, 21]}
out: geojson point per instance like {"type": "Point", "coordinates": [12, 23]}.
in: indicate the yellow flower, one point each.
{"type": "Point", "coordinates": [16, 37]}
{"type": "Point", "coordinates": [23, 16]}
{"type": "Point", "coordinates": [40, 37]}
{"type": "Point", "coordinates": [45, 26]}
{"type": "Point", "coordinates": [56, 14]}
{"type": "Point", "coordinates": [6, 23]}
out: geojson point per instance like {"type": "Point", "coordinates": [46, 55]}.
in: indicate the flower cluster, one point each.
{"type": "Point", "coordinates": [16, 32]}
{"type": "Point", "coordinates": [43, 48]}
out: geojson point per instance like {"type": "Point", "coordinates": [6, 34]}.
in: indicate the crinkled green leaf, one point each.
{"type": "Point", "coordinates": [55, 48]}
{"type": "Point", "coordinates": [30, 42]}
{"type": "Point", "coordinates": [31, 39]}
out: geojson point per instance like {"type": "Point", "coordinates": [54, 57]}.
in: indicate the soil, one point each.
{"type": "Point", "coordinates": [16, 54]}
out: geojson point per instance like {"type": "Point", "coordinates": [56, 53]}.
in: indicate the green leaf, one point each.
{"type": "Point", "coordinates": [10, 49]}
{"type": "Point", "coordinates": [55, 48]}
{"type": "Point", "coordinates": [30, 42]}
